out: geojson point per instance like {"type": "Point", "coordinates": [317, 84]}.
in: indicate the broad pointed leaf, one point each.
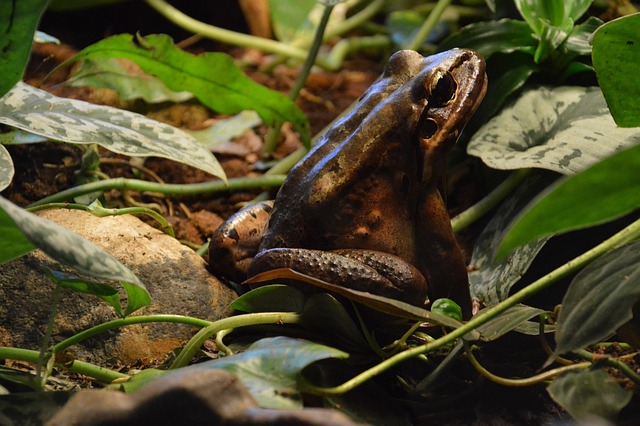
{"type": "Point", "coordinates": [563, 129]}
{"type": "Point", "coordinates": [600, 299]}
{"type": "Point", "coordinates": [71, 250]}
{"type": "Point", "coordinates": [270, 368]}
{"type": "Point", "coordinates": [18, 23]}
{"type": "Point", "coordinates": [601, 193]}
{"type": "Point", "coordinates": [6, 168]}
{"type": "Point", "coordinates": [126, 79]}
{"type": "Point", "coordinates": [589, 394]}
{"type": "Point", "coordinates": [117, 130]}
{"type": "Point", "coordinates": [491, 281]}
{"type": "Point", "coordinates": [212, 77]}
{"type": "Point", "coordinates": [616, 57]}
{"type": "Point", "coordinates": [379, 303]}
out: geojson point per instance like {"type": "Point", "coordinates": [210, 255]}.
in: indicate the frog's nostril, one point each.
{"type": "Point", "coordinates": [428, 128]}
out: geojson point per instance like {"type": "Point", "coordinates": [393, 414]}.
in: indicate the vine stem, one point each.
{"type": "Point", "coordinates": [191, 348]}
{"type": "Point", "coordinates": [629, 233]}
{"type": "Point", "coordinates": [123, 184]}
{"type": "Point", "coordinates": [103, 374]}
{"type": "Point", "coordinates": [427, 25]}
{"type": "Point", "coordinates": [483, 206]}
{"type": "Point", "coordinates": [209, 31]}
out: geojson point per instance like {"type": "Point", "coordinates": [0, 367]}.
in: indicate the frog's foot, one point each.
{"type": "Point", "coordinates": [236, 241]}
{"type": "Point", "coordinates": [376, 272]}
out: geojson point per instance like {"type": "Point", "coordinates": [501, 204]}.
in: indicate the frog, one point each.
{"type": "Point", "coordinates": [366, 207]}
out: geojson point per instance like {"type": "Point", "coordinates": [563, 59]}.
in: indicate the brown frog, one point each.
{"type": "Point", "coordinates": [365, 209]}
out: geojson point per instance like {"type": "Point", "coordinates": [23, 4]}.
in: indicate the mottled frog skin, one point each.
{"type": "Point", "coordinates": [364, 209]}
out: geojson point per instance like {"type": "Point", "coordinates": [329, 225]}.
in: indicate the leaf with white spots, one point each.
{"type": "Point", "coordinates": [6, 168]}
{"type": "Point", "coordinates": [564, 129]}
{"type": "Point", "coordinates": [117, 130]}
{"type": "Point", "coordinates": [21, 228]}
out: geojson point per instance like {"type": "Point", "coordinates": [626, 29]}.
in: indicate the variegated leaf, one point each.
{"type": "Point", "coordinates": [491, 281]}
{"type": "Point", "coordinates": [6, 168]}
{"type": "Point", "coordinates": [120, 131]}
{"type": "Point", "coordinates": [72, 250]}
{"type": "Point", "coordinates": [564, 129]}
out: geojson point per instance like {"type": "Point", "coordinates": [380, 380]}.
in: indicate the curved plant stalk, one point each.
{"type": "Point", "coordinates": [629, 233]}
{"type": "Point", "coordinates": [110, 325]}
{"type": "Point", "coordinates": [428, 25]}
{"type": "Point", "coordinates": [220, 344]}
{"type": "Point", "coordinates": [611, 362]}
{"type": "Point", "coordinates": [227, 36]}
{"type": "Point", "coordinates": [271, 139]}
{"type": "Point", "coordinates": [193, 346]}
{"type": "Point", "coordinates": [296, 50]}
{"type": "Point", "coordinates": [102, 374]}
{"type": "Point", "coordinates": [102, 212]}
{"type": "Point", "coordinates": [491, 200]}
{"type": "Point", "coordinates": [270, 181]}
{"type": "Point", "coordinates": [529, 381]}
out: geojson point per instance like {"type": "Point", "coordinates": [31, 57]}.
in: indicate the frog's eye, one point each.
{"type": "Point", "coordinates": [443, 89]}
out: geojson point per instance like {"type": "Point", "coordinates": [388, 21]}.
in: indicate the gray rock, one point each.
{"type": "Point", "coordinates": [175, 276]}
{"type": "Point", "coordinates": [194, 396]}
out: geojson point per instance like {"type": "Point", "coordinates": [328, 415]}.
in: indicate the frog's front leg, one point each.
{"type": "Point", "coordinates": [376, 272]}
{"type": "Point", "coordinates": [236, 241]}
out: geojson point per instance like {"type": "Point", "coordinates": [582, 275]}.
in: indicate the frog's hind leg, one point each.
{"type": "Point", "coordinates": [365, 270]}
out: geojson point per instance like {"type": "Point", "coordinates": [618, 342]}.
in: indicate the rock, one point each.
{"type": "Point", "coordinates": [189, 396]}
{"type": "Point", "coordinates": [175, 276]}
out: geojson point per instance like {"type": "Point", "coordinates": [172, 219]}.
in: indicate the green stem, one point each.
{"type": "Point", "coordinates": [627, 234]}
{"type": "Point", "coordinates": [428, 25]}
{"type": "Point", "coordinates": [271, 140]}
{"type": "Point", "coordinates": [191, 348]}
{"type": "Point", "coordinates": [528, 381]}
{"type": "Point", "coordinates": [102, 212]}
{"type": "Point", "coordinates": [46, 340]}
{"type": "Point", "coordinates": [270, 181]}
{"type": "Point", "coordinates": [483, 206]}
{"type": "Point", "coordinates": [611, 362]}
{"type": "Point", "coordinates": [102, 374]}
{"type": "Point", "coordinates": [283, 166]}
{"type": "Point", "coordinates": [231, 37]}
{"type": "Point", "coordinates": [110, 325]}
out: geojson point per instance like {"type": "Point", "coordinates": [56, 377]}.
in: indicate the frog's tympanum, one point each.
{"type": "Point", "coordinates": [364, 209]}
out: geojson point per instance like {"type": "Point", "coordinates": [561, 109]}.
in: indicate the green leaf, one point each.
{"type": "Point", "coordinates": [6, 168]}
{"type": "Point", "coordinates": [270, 369]}
{"type": "Point", "coordinates": [515, 69]}
{"type": "Point", "coordinates": [18, 23]}
{"type": "Point", "coordinates": [564, 129]}
{"type": "Point", "coordinates": [119, 131]}
{"type": "Point", "coordinates": [124, 78]}
{"type": "Point", "coordinates": [212, 77]}
{"type": "Point", "coordinates": [616, 55]}
{"type": "Point", "coordinates": [603, 192]}
{"type": "Point", "coordinates": [448, 308]}
{"type": "Point", "coordinates": [290, 19]}
{"type": "Point", "coordinates": [508, 321]}
{"type": "Point", "coordinates": [600, 299]}
{"type": "Point", "coordinates": [103, 291]}
{"type": "Point", "coordinates": [69, 249]}
{"type": "Point", "coordinates": [491, 281]}
{"type": "Point", "coordinates": [487, 38]}
{"type": "Point", "coordinates": [225, 130]}
{"type": "Point", "coordinates": [379, 303]}
{"type": "Point", "coordinates": [13, 243]}
{"type": "Point", "coordinates": [589, 394]}
{"type": "Point", "coordinates": [270, 298]}
{"type": "Point", "coordinates": [326, 316]}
